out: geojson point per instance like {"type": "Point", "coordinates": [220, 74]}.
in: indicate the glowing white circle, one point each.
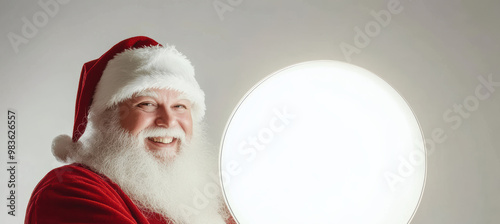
{"type": "Point", "coordinates": [323, 142]}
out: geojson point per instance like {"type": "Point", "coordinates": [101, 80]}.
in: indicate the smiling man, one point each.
{"type": "Point", "coordinates": [162, 108]}
{"type": "Point", "coordinates": [138, 152]}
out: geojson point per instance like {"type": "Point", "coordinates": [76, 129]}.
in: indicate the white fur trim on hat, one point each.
{"type": "Point", "coordinates": [136, 70]}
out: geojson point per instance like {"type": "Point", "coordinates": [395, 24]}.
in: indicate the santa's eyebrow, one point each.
{"type": "Point", "coordinates": [149, 93]}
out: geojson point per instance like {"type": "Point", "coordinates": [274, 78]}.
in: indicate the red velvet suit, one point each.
{"type": "Point", "coordinates": [75, 194]}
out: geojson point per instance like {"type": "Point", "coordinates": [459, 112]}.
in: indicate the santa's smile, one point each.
{"type": "Point", "coordinates": [165, 140]}
{"type": "Point", "coordinates": [162, 143]}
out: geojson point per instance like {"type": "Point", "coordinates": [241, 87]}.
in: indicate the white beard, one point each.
{"type": "Point", "coordinates": [184, 190]}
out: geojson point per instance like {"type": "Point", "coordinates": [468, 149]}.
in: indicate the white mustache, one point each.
{"type": "Point", "coordinates": [175, 132]}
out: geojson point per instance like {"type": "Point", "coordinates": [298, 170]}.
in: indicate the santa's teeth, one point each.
{"type": "Point", "coordinates": [166, 140]}
{"type": "Point", "coordinates": [162, 140]}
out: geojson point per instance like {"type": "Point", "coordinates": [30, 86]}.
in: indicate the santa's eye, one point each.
{"type": "Point", "coordinates": [147, 106]}
{"type": "Point", "coordinates": [180, 106]}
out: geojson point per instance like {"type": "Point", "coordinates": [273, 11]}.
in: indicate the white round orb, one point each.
{"type": "Point", "coordinates": [323, 142]}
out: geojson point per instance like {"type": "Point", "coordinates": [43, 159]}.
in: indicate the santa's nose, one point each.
{"type": "Point", "coordinates": [165, 117]}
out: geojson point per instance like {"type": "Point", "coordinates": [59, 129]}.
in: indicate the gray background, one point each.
{"type": "Point", "coordinates": [432, 52]}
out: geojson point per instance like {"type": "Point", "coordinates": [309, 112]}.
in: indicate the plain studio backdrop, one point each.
{"type": "Point", "coordinates": [441, 56]}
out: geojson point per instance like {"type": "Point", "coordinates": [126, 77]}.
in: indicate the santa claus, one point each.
{"type": "Point", "coordinates": [138, 152]}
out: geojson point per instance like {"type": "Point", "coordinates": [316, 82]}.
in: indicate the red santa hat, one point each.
{"type": "Point", "coordinates": [131, 66]}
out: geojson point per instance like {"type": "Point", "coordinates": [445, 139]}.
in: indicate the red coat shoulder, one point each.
{"type": "Point", "coordinates": [75, 194]}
